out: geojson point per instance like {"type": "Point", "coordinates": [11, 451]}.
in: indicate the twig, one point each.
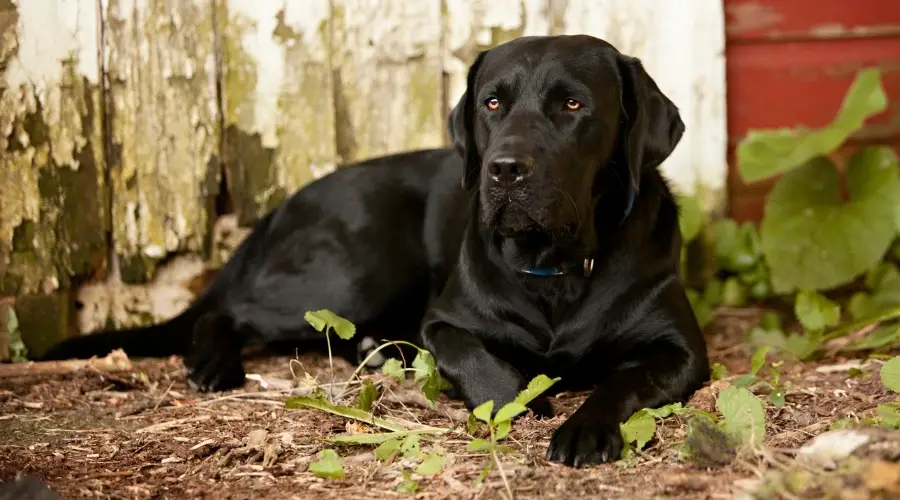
{"type": "Point", "coordinates": [164, 396]}
{"type": "Point", "coordinates": [406, 396]}
{"type": "Point", "coordinates": [116, 361]}
{"type": "Point", "coordinates": [162, 426]}
{"type": "Point", "coordinates": [502, 474]}
{"type": "Point", "coordinates": [499, 465]}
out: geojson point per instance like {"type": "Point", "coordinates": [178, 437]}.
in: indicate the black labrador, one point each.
{"type": "Point", "coordinates": [557, 253]}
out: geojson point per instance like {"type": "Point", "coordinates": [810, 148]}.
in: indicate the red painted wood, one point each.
{"type": "Point", "coordinates": [772, 20]}
{"type": "Point", "coordinates": [789, 64]}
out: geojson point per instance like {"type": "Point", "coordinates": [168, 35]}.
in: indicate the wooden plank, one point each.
{"type": "Point", "coordinates": [388, 76]}
{"type": "Point", "coordinates": [52, 214]}
{"type": "Point", "coordinates": [278, 99]}
{"type": "Point", "coordinates": [473, 26]}
{"type": "Point", "coordinates": [784, 20]}
{"type": "Point", "coordinates": [160, 63]}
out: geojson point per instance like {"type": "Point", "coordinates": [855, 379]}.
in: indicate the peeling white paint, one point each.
{"type": "Point", "coordinates": [263, 48]}
{"type": "Point", "coordinates": [51, 31]}
{"type": "Point", "coordinates": [304, 17]}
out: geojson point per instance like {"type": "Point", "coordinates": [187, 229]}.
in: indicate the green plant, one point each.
{"type": "Point", "coordinates": [329, 465]}
{"type": "Point", "coordinates": [18, 353]}
{"type": "Point", "coordinates": [327, 321]}
{"type": "Point", "coordinates": [888, 414]}
{"type": "Point", "coordinates": [499, 424]}
{"type": "Point", "coordinates": [811, 237]}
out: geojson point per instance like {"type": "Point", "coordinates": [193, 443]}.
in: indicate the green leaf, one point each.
{"type": "Point", "coordinates": [702, 310]}
{"type": "Point", "coordinates": [639, 429]}
{"type": "Point", "coordinates": [483, 411]}
{"type": "Point", "coordinates": [509, 411]}
{"type": "Point", "coordinates": [889, 414]}
{"type": "Point", "coordinates": [424, 365]}
{"type": "Point", "coordinates": [349, 412]}
{"type": "Point", "coordinates": [471, 424]}
{"type": "Point", "coordinates": [410, 446]}
{"type": "Point", "coordinates": [478, 445]}
{"type": "Point", "coordinates": [691, 217]}
{"type": "Point", "coordinates": [328, 465]}
{"type": "Point", "coordinates": [12, 322]}
{"type": "Point", "coordinates": [812, 239]}
{"type": "Point", "coordinates": [815, 311]}
{"type": "Point", "coordinates": [502, 430]}
{"type": "Point", "coordinates": [718, 371]}
{"type": "Point", "coordinates": [745, 380]}
{"type": "Point", "coordinates": [758, 359]}
{"type": "Point", "coordinates": [887, 287]}
{"type": "Point", "coordinates": [882, 337]}
{"type": "Point", "coordinates": [803, 346]}
{"type": "Point", "coordinates": [734, 294]}
{"type": "Point", "coordinates": [431, 465]}
{"type": "Point", "coordinates": [744, 418]}
{"type": "Point", "coordinates": [737, 247]}
{"type": "Point", "coordinates": [537, 386]}
{"type": "Point", "coordinates": [323, 318]}
{"type": "Point", "coordinates": [664, 411]}
{"type": "Point", "coordinates": [776, 397]}
{"type": "Point", "coordinates": [408, 485]}
{"type": "Point", "coordinates": [725, 242]}
{"type": "Point", "coordinates": [861, 305]}
{"type": "Point", "coordinates": [765, 153]}
{"type": "Point", "coordinates": [713, 292]}
{"type": "Point", "coordinates": [771, 321]}
{"type": "Point", "coordinates": [393, 368]}
{"type": "Point", "coordinates": [433, 387]}
{"type": "Point", "coordinates": [856, 373]}
{"type": "Point", "coordinates": [367, 396]}
{"type": "Point", "coordinates": [381, 437]}
{"type": "Point", "coordinates": [386, 449]}
{"type": "Point", "coordinates": [890, 374]}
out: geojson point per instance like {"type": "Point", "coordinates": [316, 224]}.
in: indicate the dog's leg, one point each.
{"type": "Point", "coordinates": [664, 373]}
{"type": "Point", "coordinates": [476, 375]}
{"type": "Point", "coordinates": [214, 360]}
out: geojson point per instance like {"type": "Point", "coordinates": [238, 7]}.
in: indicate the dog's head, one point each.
{"type": "Point", "coordinates": [550, 125]}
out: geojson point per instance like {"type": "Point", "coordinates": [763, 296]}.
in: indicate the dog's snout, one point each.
{"type": "Point", "coordinates": [509, 169]}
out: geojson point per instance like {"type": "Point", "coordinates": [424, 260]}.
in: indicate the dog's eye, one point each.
{"type": "Point", "coordinates": [492, 103]}
{"type": "Point", "coordinates": [573, 105]}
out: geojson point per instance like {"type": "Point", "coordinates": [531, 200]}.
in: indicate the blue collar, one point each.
{"type": "Point", "coordinates": [588, 263]}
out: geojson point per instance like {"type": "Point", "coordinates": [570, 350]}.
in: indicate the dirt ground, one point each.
{"type": "Point", "coordinates": [145, 434]}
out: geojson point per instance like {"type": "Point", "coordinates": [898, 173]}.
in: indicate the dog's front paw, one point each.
{"type": "Point", "coordinates": [214, 370]}
{"type": "Point", "coordinates": [541, 407]}
{"type": "Point", "coordinates": [214, 360]}
{"type": "Point", "coordinates": [584, 440]}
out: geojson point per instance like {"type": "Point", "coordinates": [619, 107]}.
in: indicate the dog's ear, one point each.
{"type": "Point", "coordinates": [460, 126]}
{"type": "Point", "coordinates": [652, 124]}
{"type": "Point", "coordinates": [456, 125]}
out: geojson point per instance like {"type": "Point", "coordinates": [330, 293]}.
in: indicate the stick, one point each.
{"type": "Point", "coordinates": [116, 361]}
{"type": "Point", "coordinates": [417, 398]}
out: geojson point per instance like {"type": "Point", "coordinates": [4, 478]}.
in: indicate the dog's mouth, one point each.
{"type": "Point", "coordinates": [513, 220]}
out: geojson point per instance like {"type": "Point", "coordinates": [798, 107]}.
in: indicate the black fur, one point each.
{"type": "Point", "coordinates": [399, 245]}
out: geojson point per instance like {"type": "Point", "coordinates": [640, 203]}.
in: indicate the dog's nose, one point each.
{"type": "Point", "coordinates": [509, 169]}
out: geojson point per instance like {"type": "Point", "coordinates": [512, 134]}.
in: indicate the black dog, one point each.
{"type": "Point", "coordinates": [557, 254]}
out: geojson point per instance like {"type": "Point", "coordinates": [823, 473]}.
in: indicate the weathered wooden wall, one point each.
{"type": "Point", "coordinates": [131, 128]}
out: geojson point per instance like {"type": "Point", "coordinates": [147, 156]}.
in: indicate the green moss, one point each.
{"type": "Point", "coordinates": [250, 167]}
{"type": "Point", "coordinates": [44, 320]}
{"type": "Point", "coordinates": [240, 78]}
